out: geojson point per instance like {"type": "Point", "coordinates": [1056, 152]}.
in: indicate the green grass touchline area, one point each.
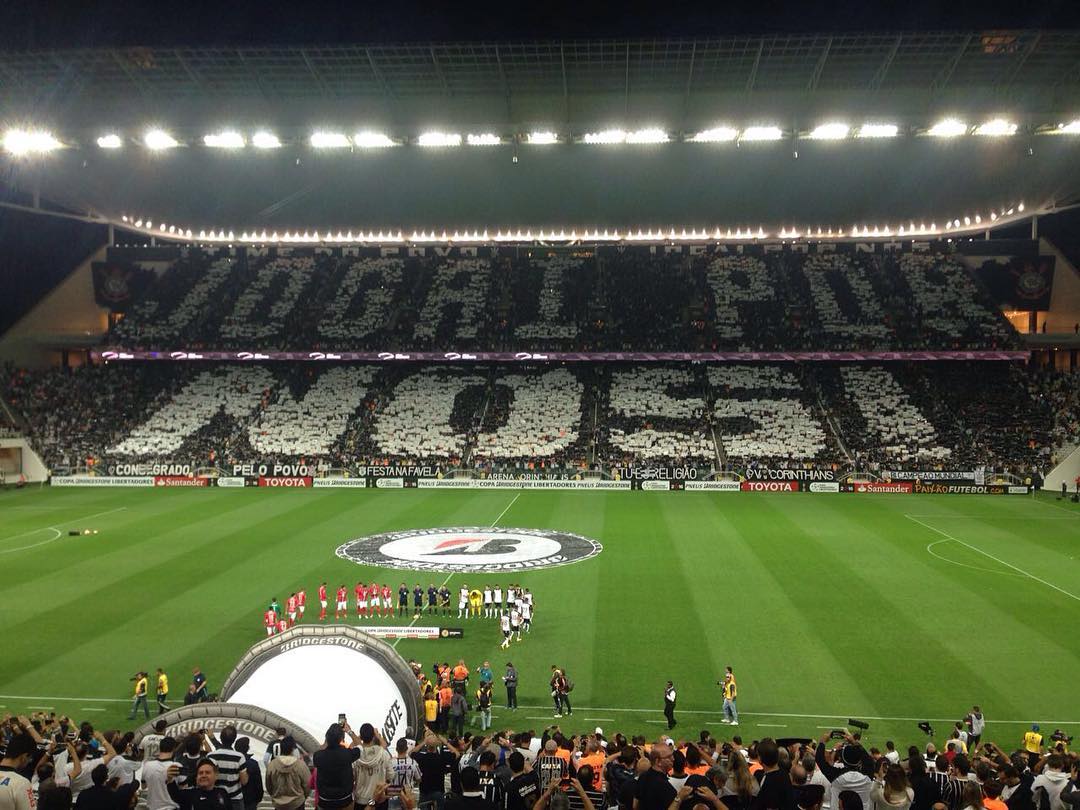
{"type": "Point", "coordinates": [887, 608]}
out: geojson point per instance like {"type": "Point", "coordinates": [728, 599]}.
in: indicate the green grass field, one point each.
{"type": "Point", "coordinates": [886, 608]}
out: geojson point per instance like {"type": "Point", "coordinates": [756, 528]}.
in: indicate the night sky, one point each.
{"type": "Point", "coordinates": [30, 24]}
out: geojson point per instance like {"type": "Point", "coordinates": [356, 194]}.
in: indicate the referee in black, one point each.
{"type": "Point", "coordinates": [669, 704]}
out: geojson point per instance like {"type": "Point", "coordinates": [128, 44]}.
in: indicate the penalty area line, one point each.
{"type": "Point", "coordinates": [995, 559]}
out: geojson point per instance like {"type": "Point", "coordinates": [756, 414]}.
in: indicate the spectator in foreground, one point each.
{"type": "Point", "coordinates": [333, 768]}
{"type": "Point", "coordinates": [157, 773]}
{"type": "Point", "coordinates": [472, 796]}
{"type": "Point", "coordinates": [372, 768]}
{"type": "Point", "coordinates": [232, 773]}
{"type": "Point", "coordinates": [253, 787]}
{"type": "Point", "coordinates": [287, 777]}
{"type": "Point", "coordinates": [891, 790]}
{"type": "Point", "coordinates": [205, 795]}
{"type": "Point", "coordinates": [1049, 784]}
{"type": "Point", "coordinates": [15, 790]}
{"type": "Point", "coordinates": [654, 791]}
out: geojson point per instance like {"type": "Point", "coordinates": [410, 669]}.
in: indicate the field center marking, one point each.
{"type": "Point", "coordinates": [54, 528]}
{"type": "Point", "coordinates": [451, 574]}
{"type": "Point", "coordinates": [995, 559]}
{"type": "Point", "coordinates": [772, 725]}
{"type": "Point", "coordinates": [997, 517]}
{"type": "Point", "coordinates": [88, 709]}
{"type": "Point", "coordinates": [930, 548]}
{"type": "Point", "coordinates": [594, 719]}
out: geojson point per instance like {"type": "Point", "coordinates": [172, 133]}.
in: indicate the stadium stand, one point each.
{"type": "Point", "coordinates": [597, 417]}
{"type": "Point", "coordinates": [635, 300]}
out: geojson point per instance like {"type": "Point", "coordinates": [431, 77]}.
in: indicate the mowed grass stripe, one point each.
{"type": "Point", "coordinates": [823, 604]}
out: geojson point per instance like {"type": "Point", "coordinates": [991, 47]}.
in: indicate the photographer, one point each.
{"type": "Point", "coordinates": [855, 776]}
{"type": "Point", "coordinates": [139, 698]}
{"type": "Point", "coordinates": [205, 795]}
{"type": "Point", "coordinates": [556, 797]}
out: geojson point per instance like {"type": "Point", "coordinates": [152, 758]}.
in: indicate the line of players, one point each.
{"type": "Point", "coordinates": [514, 607]}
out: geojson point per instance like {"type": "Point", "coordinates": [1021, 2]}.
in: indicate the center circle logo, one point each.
{"type": "Point", "coordinates": [470, 549]}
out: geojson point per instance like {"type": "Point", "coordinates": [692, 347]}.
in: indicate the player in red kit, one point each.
{"type": "Point", "coordinates": [322, 602]}
{"type": "Point", "coordinates": [387, 601]}
{"type": "Point", "coordinates": [301, 601]}
{"type": "Point", "coordinates": [342, 603]}
{"type": "Point", "coordinates": [270, 620]}
{"type": "Point", "coordinates": [361, 599]}
{"type": "Point", "coordinates": [373, 599]}
{"type": "Point", "coordinates": [290, 609]}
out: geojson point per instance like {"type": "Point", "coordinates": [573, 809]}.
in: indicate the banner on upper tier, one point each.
{"type": "Point", "coordinates": [101, 481]}
{"type": "Point", "coordinates": [789, 474]}
{"type": "Point", "coordinates": [933, 475]}
{"type": "Point", "coordinates": [658, 473]}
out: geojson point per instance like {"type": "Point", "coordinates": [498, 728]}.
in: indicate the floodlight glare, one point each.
{"type": "Point", "coordinates": [228, 139]}
{"type": "Point", "coordinates": [996, 128]}
{"type": "Point", "coordinates": [439, 139]}
{"type": "Point", "coordinates": [762, 134]}
{"type": "Point", "coordinates": [159, 139]}
{"type": "Point", "coordinates": [483, 139]}
{"type": "Point", "coordinates": [1071, 128]}
{"type": "Point", "coordinates": [605, 136]}
{"type": "Point", "coordinates": [328, 140]}
{"type": "Point", "coordinates": [834, 131]}
{"type": "Point", "coordinates": [544, 137]}
{"type": "Point", "coordinates": [648, 135]}
{"type": "Point", "coordinates": [948, 128]}
{"type": "Point", "coordinates": [110, 141]}
{"type": "Point", "coordinates": [372, 140]}
{"type": "Point", "coordinates": [715, 135]}
{"type": "Point", "coordinates": [265, 140]}
{"type": "Point", "coordinates": [24, 142]}
{"type": "Point", "coordinates": [877, 131]}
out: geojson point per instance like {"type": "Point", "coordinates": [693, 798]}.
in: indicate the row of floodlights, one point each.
{"type": "Point", "coordinates": [24, 141]}
{"type": "Point", "coordinates": [607, 235]}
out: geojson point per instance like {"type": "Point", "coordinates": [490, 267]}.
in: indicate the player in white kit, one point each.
{"type": "Point", "coordinates": [526, 615]}
{"type": "Point", "coordinates": [498, 599]}
{"type": "Point", "coordinates": [489, 611]}
{"type": "Point", "coordinates": [515, 622]}
{"type": "Point", "coordinates": [504, 622]}
{"type": "Point", "coordinates": [463, 602]}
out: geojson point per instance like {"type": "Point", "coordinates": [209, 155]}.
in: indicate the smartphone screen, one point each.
{"type": "Point", "coordinates": [341, 718]}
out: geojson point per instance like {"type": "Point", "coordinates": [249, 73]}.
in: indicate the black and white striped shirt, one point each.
{"type": "Point", "coordinates": [229, 763]}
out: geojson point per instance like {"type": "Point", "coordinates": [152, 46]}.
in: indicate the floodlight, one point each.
{"type": "Point", "coordinates": [24, 142]}
{"type": "Point", "coordinates": [996, 128]}
{"type": "Point", "coordinates": [948, 128]}
{"type": "Point", "coordinates": [1071, 128]}
{"type": "Point", "coordinates": [544, 137]}
{"type": "Point", "coordinates": [877, 131]}
{"type": "Point", "coordinates": [229, 139]}
{"type": "Point", "coordinates": [483, 139]}
{"type": "Point", "coordinates": [648, 135]}
{"type": "Point", "coordinates": [159, 139]}
{"type": "Point", "coordinates": [715, 135]}
{"type": "Point", "coordinates": [834, 131]}
{"type": "Point", "coordinates": [605, 136]}
{"type": "Point", "coordinates": [439, 139]}
{"type": "Point", "coordinates": [328, 140]}
{"type": "Point", "coordinates": [110, 141]}
{"type": "Point", "coordinates": [372, 140]}
{"type": "Point", "coordinates": [762, 134]}
{"type": "Point", "coordinates": [265, 140]}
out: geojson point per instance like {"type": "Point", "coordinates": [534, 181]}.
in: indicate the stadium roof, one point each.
{"type": "Point", "coordinates": [1030, 70]}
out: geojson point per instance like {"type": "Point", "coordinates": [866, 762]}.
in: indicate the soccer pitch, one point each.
{"type": "Point", "coordinates": [886, 608]}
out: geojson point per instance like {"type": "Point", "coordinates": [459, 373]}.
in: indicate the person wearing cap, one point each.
{"type": "Point", "coordinates": [1033, 743]}
{"type": "Point", "coordinates": [855, 776]}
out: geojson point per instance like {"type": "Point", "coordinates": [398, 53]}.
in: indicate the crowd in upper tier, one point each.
{"type": "Point", "coordinates": [541, 300]}
{"type": "Point", "coordinates": [574, 418]}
